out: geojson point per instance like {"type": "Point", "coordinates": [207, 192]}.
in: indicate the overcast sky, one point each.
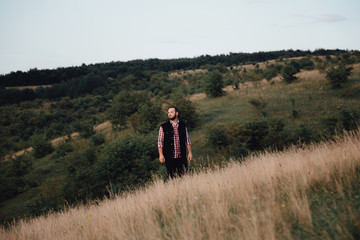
{"type": "Point", "coordinates": [47, 34]}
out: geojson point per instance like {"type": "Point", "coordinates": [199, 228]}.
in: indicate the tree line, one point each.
{"type": "Point", "coordinates": [135, 67]}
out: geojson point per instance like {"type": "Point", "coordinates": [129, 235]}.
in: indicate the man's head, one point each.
{"type": "Point", "coordinates": [173, 113]}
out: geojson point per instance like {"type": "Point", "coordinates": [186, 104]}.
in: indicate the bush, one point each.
{"type": "Point", "coordinates": [306, 63]}
{"type": "Point", "coordinates": [272, 71]}
{"type": "Point", "coordinates": [128, 162]}
{"type": "Point", "coordinates": [259, 105]}
{"type": "Point", "coordinates": [98, 139]}
{"type": "Point", "coordinates": [349, 119]}
{"type": "Point", "coordinates": [41, 147]}
{"type": "Point", "coordinates": [338, 75]}
{"type": "Point", "coordinates": [218, 138]}
{"type": "Point", "coordinates": [147, 118]}
{"type": "Point", "coordinates": [125, 104]}
{"type": "Point", "coordinates": [214, 85]}
{"type": "Point", "coordinates": [288, 72]}
{"type": "Point", "coordinates": [187, 111]}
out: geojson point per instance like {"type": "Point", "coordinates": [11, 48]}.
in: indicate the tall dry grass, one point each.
{"type": "Point", "coordinates": [263, 198]}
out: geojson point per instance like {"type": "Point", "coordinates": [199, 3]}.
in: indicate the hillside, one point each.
{"type": "Point", "coordinates": [300, 193]}
{"type": "Point", "coordinates": [262, 107]}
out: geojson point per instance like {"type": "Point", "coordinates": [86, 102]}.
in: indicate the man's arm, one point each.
{"type": "Point", "coordinates": [161, 145]}
{"type": "Point", "coordinates": [189, 152]}
{"type": "Point", "coordinates": [161, 155]}
{"type": "Point", "coordinates": [188, 146]}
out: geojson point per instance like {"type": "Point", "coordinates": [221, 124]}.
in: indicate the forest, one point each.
{"type": "Point", "coordinates": [234, 105]}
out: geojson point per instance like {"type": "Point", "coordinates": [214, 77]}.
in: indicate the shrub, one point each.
{"type": "Point", "coordinates": [349, 119]}
{"type": "Point", "coordinates": [338, 75]}
{"type": "Point", "coordinates": [147, 118]}
{"type": "Point", "coordinates": [98, 139]}
{"type": "Point", "coordinates": [214, 85]}
{"type": "Point", "coordinates": [41, 147]}
{"type": "Point", "coordinates": [125, 104]}
{"type": "Point", "coordinates": [306, 63]}
{"type": "Point", "coordinates": [187, 111]}
{"type": "Point", "coordinates": [126, 163]}
{"type": "Point", "coordinates": [288, 72]}
{"type": "Point", "coordinates": [272, 71]}
{"type": "Point", "coordinates": [218, 138]}
{"type": "Point", "coordinates": [259, 105]}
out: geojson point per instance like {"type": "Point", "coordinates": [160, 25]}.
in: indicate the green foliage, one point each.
{"type": "Point", "coordinates": [147, 118]}
{"type": "Point", "coordinates": [98, 139]}
{"type": "Point", "coordinates": [241, 139]}
{"type": "Point", "coordinates": [349, 119]}
{"type": "Point", "coordinates": [85, 128]}
{"type": "Point", "coordinates": [272, 71]}
{"type": "Point", "coordinates": [125, 104]}
{"type": "Point", "coordinates": [11, 96]}
{"type": "Point", "coordinates": [188, 112]}
{"type": "Point", "coordinates": [259, 105]}
{"type": "Point", "coordinates": [289, 70]}
{"type": "Point", "coordinates": [214, 85]}
{"type": "Point", "coordinates": [12, 176]}
{"type": "Point", "coordinates": [218, 67]}
{"type": "Point", "coordinates": [338, 75]}
{"type": "Point", "coordinates": [236, 80]}
{"type": "Point", "coordinates": [218, 138]}
{"type": "Point", "coordinates": [41, 146]}
{"type": "Point", "coordinates": [306, 63]}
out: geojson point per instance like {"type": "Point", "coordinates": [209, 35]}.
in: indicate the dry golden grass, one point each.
{"type": "Point", "coordinates": [253, 200]}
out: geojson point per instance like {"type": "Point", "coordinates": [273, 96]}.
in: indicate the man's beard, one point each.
{"type": "Point", "coordinates": [173, 118]}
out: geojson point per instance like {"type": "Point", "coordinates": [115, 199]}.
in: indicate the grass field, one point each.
{"type": "Point", "coordinates": [314, 100]}
{"type": "Point", "coordinates": [301, 193]}
{"type": "Point", "coordinates": [324, 206]}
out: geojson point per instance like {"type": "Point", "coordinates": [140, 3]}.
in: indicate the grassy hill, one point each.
{"type": "Point", "coordinates": [300, 193]}
{"type": "Point", "coordinates": [257, 113]}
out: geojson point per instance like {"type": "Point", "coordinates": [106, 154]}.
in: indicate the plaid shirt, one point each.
{"type": "Point", "coordinates": [177, 153]}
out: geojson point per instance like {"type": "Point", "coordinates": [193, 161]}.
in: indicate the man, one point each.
{"type": "Point", "coordinates": [172, 144]}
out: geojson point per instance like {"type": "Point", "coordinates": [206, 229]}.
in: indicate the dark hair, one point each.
{"type": "Point", "coordinates": [176, 110]}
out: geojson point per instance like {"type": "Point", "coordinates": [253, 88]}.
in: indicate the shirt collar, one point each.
{"type": "Point", "coordinates": [176, 123]}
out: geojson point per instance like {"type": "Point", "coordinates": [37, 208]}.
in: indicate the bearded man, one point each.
{"type": "Point", "coordinates": [173, 141]}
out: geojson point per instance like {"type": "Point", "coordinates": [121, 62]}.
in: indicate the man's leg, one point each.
{"type": "Point", "coordinates": [170, 167]}
{"type": "Point", "coordinates": [181, 166]}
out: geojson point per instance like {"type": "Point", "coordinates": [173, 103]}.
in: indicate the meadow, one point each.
{"type": "Point", "coordinates": [82, 154]}
{"type": "Point", "coordinates": [300, 193]}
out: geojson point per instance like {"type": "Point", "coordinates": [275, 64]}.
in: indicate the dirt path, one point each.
{"type": "Point", "coordinates": [55, 142]}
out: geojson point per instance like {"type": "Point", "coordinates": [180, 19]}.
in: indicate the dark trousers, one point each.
{"type": "Point", "coordinates": [176, 166]}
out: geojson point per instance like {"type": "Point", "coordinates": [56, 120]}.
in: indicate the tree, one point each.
{"type": "Point", "coordinates": [338, 75]}
{"type": "Point", "coordinates": [187, 110]}
{"type": "Point", "coordinates": [125, 104]}
{"type": "Point", "coordinates": [214, 85]}
{"type": "Point", "coordinates": [41, 146]}
{"type": "Point", "coordinates": [147, 117]}
{"type": "Point", "coordinates": [288, 72]}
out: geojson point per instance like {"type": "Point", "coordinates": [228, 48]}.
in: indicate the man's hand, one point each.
{"type": "Point", "coordinates": [162, 158]}
{"type": "Point", "coordinates": [190, 157]}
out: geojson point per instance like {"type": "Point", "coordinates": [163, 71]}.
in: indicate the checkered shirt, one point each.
{"type": "Point", "coordinates": [177, 152]}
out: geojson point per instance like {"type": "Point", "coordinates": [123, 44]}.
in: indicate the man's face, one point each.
{"type": "Point", "coordinates": [172, 114]}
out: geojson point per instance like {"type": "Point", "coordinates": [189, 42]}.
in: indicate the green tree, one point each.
{"type": "Point", "coordinates": [147, 118]}
{"type": "Point", "coordinates": [41, 146]}
{"type": "Point", "coordinates": [125, 104]}
{"type": "Point", "coordinates": [288, 73]}
{"type": "Point", "coordinates": [214, 84]}
{"type": "Point", "coordinates": [338, 75]}
{"type": "Point", "coordinates": [187, 110]}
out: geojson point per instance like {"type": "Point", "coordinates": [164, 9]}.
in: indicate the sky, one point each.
{"type": "Point", "coordinates": [47, 34]}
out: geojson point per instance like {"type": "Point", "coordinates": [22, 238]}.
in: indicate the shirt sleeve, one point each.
{"type": "Point", "coordinates": [187, 137]}
{"type": "Point", "coordinates": [161, 138]}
